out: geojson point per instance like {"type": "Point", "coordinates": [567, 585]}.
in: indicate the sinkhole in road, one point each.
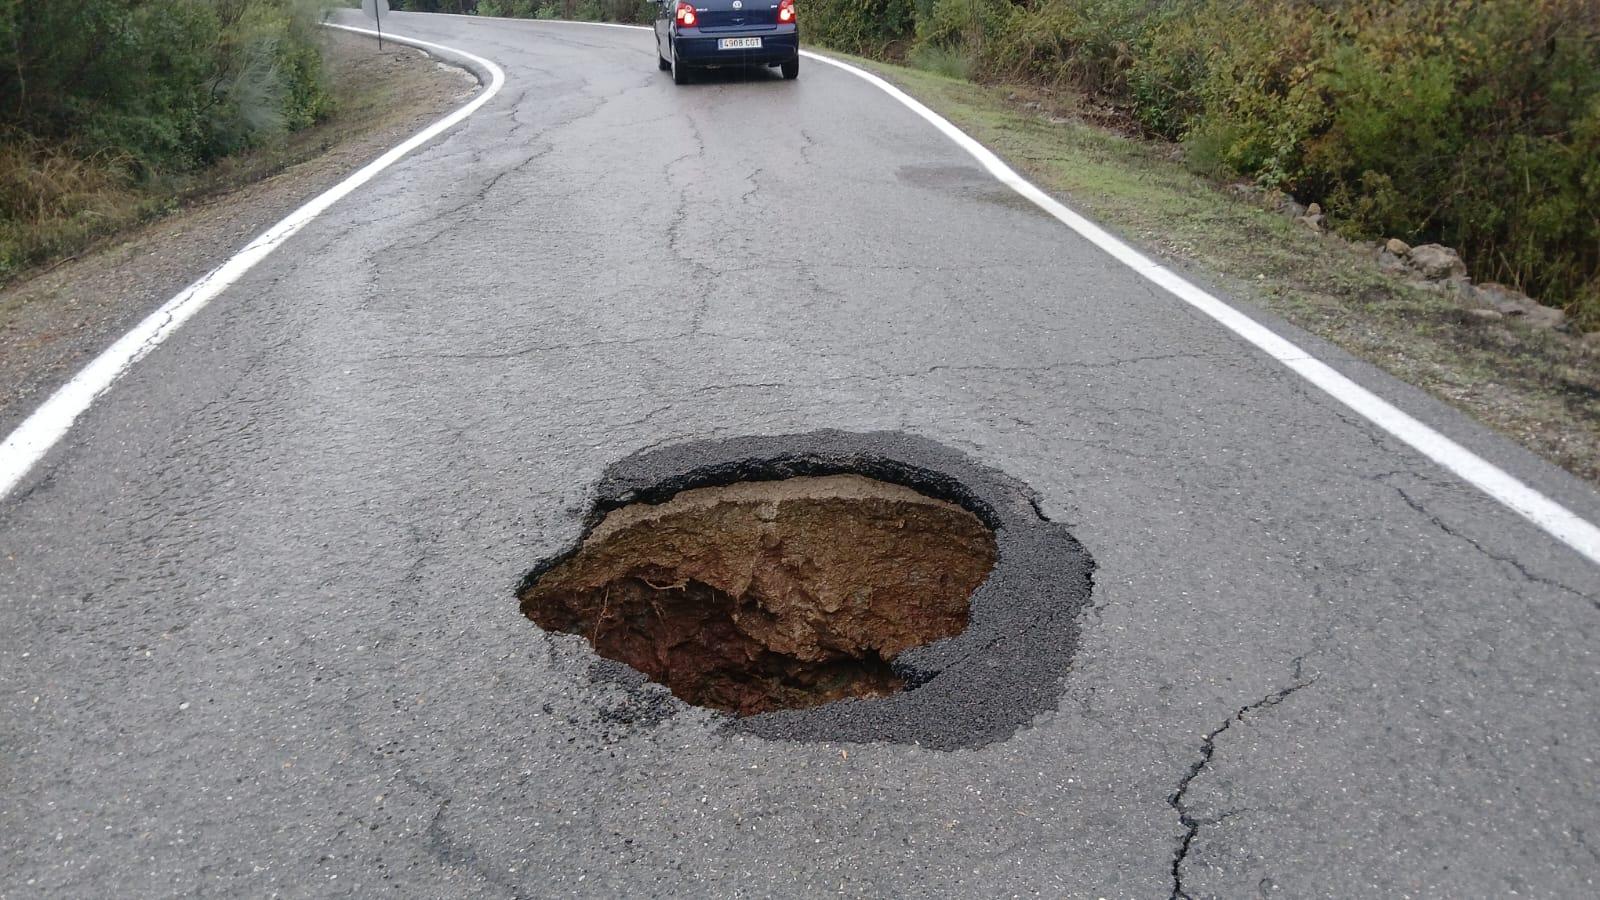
{"type": "Point", "coordinates": [759, 596]}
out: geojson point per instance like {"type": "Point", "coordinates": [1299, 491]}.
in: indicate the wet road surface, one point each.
{"type": "Point", "coordinates": [260, 632]}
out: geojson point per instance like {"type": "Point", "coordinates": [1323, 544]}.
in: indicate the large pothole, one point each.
{"type": "Point", "coordinates": [759, 596]}
{"type": "Point", "coordinates": [750, 586]}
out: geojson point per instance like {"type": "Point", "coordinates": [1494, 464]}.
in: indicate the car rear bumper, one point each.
{"type": "Point", "coordinates": [697, 48]}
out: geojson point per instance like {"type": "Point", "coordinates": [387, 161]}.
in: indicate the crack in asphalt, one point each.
{"type": "Point", "coordinates": [1049, 367]}
{"type": "Point", "coordinates": [808, 143]}
{"type": "Point", "coordinates": [942, 269]}
{"type": "Point", "coordinates": [48, 468]}
{"type": "Point", "coordinates": [447, 849]}
{"type": "Point", "coordinates": [513, 113]}
{"type": "Point", "coordinates": [525, 351]}
{"type": "Point", "coordinates": [476, 199]}
{"type": "Point", "coordinates": [1377, 437]}
{"type": "Point", "coordinates": [884, 372]}
{"type": "Point", "coordinates": [704, 274]}
{"type": "Point", "coordinates": [1511, 561]}
{"type": "Point", "coordinates": [480, 194]}
{"type": "Point", "coordinates": [755, 185]}
{"type": "Point", "coordinates": [1208, 749]}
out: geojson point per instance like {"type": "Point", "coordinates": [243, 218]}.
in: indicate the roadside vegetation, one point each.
{"type": "Point", "coordinates": [110, 108]}
{"type": "Point", "coordinates": [1471, 124]}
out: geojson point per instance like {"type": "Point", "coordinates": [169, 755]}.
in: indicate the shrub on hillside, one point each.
{"type": "Point", "coordinates": [458, 7]}
{"type": "Point", "coordinates": [1087, 43]}
{"type": "Point", "coordinates": [867, 27]}
{"type": "Point", "coordinates": [960, 23]}
{"type": "Point", "coordinates": [1475, 124]}
{"type": "Point", "coordinates": [952, 34]}
{"type": "Point", "coordinates": [172, 83]}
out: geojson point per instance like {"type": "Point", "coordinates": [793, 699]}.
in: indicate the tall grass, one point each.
{"type": "Point", "coordinates": [950, 62]}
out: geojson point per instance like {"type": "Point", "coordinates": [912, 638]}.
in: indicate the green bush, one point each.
{"type": "Point", "coordinates": [1088, 43]}
{"type": "Point", "coordinates": [1474, 124]}
{"type": "Point", "coordinates": [101, 99]}
{"type": "Point", "coordinates": [866, 27]}
{"type": "Point", "coordinates": [173, 84]}
{"type": "Point", "coordinates": [950, 62]}
{"type": "Point", "coordinates": [627, 11]}
{"type": "Point", "coordinates": [960, 23]}
{"type": "Point", "coordinates": [630, 11]}
{"type": "Point", "coordinates": [458, 7]}
{"type": "Point", "coordinates": [951, 34]}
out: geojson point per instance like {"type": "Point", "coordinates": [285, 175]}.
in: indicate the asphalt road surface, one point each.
{"type": "Point", "coordinates": [260, 636]}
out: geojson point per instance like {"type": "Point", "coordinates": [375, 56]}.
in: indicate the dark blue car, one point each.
{"type": "Point", "coordinates": [709, 34]}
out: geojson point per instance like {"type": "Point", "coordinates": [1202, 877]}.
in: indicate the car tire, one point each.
{"type": "Point", "coordinates": [661, 61]}
{"type": "Point", "coordinates": [791, 68]}
{"type": "Point", "coordinates": [680, 72]}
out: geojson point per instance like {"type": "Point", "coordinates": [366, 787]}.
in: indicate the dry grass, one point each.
{"type": "Point", "coordinates": [54, 202]}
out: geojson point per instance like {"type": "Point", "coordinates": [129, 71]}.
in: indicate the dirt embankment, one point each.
{"type": "Point", "coordinates": [56, 319]}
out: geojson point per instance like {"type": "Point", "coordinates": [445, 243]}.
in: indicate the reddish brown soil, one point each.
{"type": "Point", "coordinates": [770, 595]}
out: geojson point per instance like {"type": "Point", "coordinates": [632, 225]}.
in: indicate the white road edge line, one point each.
{"type": "Point", "coordinates": [31, 440]}
{"type": "Point", "coordinates": [17, 456]}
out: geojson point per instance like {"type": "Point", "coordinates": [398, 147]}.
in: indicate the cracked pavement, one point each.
{"type": "Point", "coordinates": [260, 634]}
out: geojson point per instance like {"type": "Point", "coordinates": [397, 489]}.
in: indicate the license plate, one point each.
{"type": "Point", "coordinates": [739, 43]}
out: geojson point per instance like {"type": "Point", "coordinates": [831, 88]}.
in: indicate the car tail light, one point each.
{"type": "Point", "coordinates": [687, 16]}
{"type": "Point", "coordinates": [786, 12]}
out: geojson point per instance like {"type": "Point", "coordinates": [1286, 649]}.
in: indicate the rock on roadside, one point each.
{"type": "Point", "coordinates": [1437, 262]}
{"type": "Point", "coordinates": [1515, 304]}
{"type": "Point", "coordinates": [1443, 268]}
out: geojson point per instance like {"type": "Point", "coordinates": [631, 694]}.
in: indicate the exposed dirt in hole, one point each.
{"type": "Point", "coordinates": [770, 595]}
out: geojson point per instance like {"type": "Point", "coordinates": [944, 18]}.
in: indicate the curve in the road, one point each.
{"type": "Point", "coordinates": [34, 438]}
{"type": "Point", "coordinates": [29, 443]}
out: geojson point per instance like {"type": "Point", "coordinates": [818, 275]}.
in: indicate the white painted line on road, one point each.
{"type": "Point", "coordinates": [28, 444]}
{"type": "Point", "coordinates": [1560, 522]}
